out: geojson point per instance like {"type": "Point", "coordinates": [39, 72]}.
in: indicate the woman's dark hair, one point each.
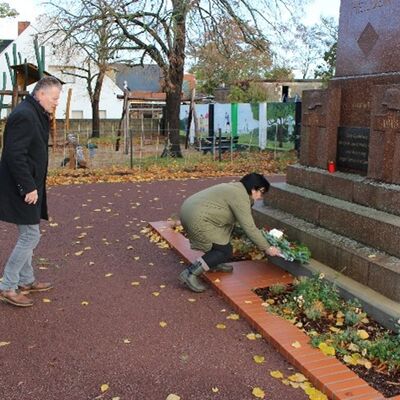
{"type": "Point", "coordinates": [255, 181]}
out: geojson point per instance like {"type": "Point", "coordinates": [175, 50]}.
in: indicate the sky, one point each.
{"type": "Point", "coordinates": [29, 9]}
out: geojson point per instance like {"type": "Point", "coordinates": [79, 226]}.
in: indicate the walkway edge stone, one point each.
{"type": "Point", "coordinates": [327, 374]}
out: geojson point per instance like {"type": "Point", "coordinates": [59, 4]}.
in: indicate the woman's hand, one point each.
{"type": "Point", "coordinates": [273, 251]}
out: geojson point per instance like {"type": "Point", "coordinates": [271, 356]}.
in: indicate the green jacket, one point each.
{"type": "Point", "coordinates": [209, 216]}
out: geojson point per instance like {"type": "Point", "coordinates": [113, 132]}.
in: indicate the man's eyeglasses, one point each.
{"type": "Point", "coordinates": [261, 190]}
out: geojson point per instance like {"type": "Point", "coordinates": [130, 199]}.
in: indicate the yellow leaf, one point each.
{"type": "Point", "coordinates": [87, 248]}
{"type": "Point", "coordinates": [251, 336]}
{"type": "Point", "coordinates": [46, 300]}
{"type": "Point", "coordinates": [173, 397]}
{"type": "Point", "coordinates": [248, 302]}
{"type": "Point", "coordinates": [233, 317]}
{"type": "Point", "coordinates": [217, 280]}
{"type": "Point", "coordinates": [276, 374]}
{"type": "Point", "coordinates": [135, 283]}
{"type": "Point", "coordinates": [116, 398]}
{"type": "Point", "coordinates": [156, 294]}
{"type": "Point", "coordinates": [349, 360]}
{"type": "Point", "coordinates": [327, 350]}
{"type": "Point", "coordinates": [162, 286]}
{"type": "Point", "coordinates": [79, 253]}
{"type": "Point", "coordinates": [127, 341]}
{"type": "Point", "coordinates": [136, 258]}
{"type": "Point", "coordinates": [365, 321]}
{"type": "Point", "coordinates": [108, 275]}
{"type": "Point", "coordinates": [104, 387]}
{"type": "Point", "coordinates": [299, 378]}
{"type": "Point", "coordinates": [163, 324]}
{"type": "Point", "coordinates": [85, 303]}
{"type": "Point", "coordinates": [270, 301]}
{"type": "Point", "coordinates": [4, 344]}
{"type": "Point", "coordinates": [296, 344]}
{"type": "Point", "coordinates": [294, 385]}
{"type": "Point", "coordinates": [215, 390]}
{"type": "Point", "coordinates": [259, 359]}
{"type": "Point", "coordinates": [220, 326]}
{"type": "Point", "coordinates": [362, 334]}
{"type": "Point", "coordinates": [53, 224]}
{"type": "Point", "coordinates": [353, 347]}
{"type": "Point", "coordinates": [192, 300]}
{"type": "Point", "coordinates": [333, 329]}
{"type": "Point", "coordinates": [258, 392]}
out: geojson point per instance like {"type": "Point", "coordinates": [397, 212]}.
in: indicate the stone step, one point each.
{"type": "Point", "coordinates": [345, 186]}
{"type": "Point", "coordinates": [366, 265]}
{"type": "Point", "coordinates": [366, 225]}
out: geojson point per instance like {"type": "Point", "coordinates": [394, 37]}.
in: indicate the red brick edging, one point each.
{"type": "Point", "coordinates": [327, 374]}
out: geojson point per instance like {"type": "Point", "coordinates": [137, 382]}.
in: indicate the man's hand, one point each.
{"type": "Point", "coordinates": [32, 197]}
{"type": "Point", "coordinates": [273, 251]}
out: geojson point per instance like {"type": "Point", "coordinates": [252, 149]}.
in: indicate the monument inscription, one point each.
{"type": "Point", "coordinates": [352, 149]}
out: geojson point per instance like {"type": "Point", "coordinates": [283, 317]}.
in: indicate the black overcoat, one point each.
{"type": "Point", "coordinates": [23, 164]}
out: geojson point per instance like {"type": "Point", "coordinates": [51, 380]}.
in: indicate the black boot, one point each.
{"type": "Point", "coordinates": [222, 268]}
{"type": "Point", "coordinates": [189, 276]}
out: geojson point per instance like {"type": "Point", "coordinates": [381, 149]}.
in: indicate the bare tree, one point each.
{"type": "Point", "coordinates": [83, 32]}
{"type": "Point", "coordinates": [160, 30]}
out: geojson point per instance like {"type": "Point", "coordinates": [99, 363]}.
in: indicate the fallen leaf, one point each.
{"type": "Point", "coordinates": [173, 397]}
{"type": "Point", "coordinates": [362, 334]}
{"type": "Point", "coordinates": [129, 248]}
{"type": "Point", "coordinates": [163, 324]}
{"type": "Point", "coordinates": [220, 326]}
{"type": "Point", "coordinates": [104, 387]}
{"type": "Point", "coordinates": [108, 275]}
{"type": "Point", "coordinates": [156, 294]}
{"type": "Point", "coordinates": [296, 344]}
{"type": "Point", "coordinates": [248, 302]}
{"type": "Point", "coordinates": [2, 344]}
{"type": "Point", "coordinates": [85, 303]}
{"type": "Point", "coordinates": [259, 359]}
{"type": "Point", "coordinates": [127, 341]}
{"type": "Point", "coordinates": [251, 336]}
{"type": "Point", "coordinates": [276, 374]}
{"type": "Point", "coordinates": [135, 283]}
{"type": "Point", "coordinates": [53, 224]}
{"type": "Point", "coordinates": [136, 258]}
{"type": "Point", "coordinates": [297, 378]}
{"type": "Point", "coordinates": [327, 350]}
{"type": "Point", "coordinates": [258, 392]}
{"type": "Point", "coordinates": [192, 300]}
{"type": "Point", "coordinates": [233, 317]}
{"type": "Point", "coordinates": [217, 280]}
{"type": "Point", "coordinates": [162, 286]}
{"type": "Point", "coordinates": [91, 263]}
{"type": "Point", "coordinates": [79, 253]}
{"type": "Point", "coordinates": [215, 390]}
{"type": "Point", "coordinates": [46, 300]}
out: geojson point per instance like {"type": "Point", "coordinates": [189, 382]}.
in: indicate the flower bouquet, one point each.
{"type": "Point", "coordinates": [290, 251]}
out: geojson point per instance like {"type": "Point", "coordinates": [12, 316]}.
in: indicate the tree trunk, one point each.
{"type": "Point", "coordinates": [95, 105]}
{"type": "Point", "coordinates": [172, 145]}
{"type": "Point", "coordinates": [174, 80]}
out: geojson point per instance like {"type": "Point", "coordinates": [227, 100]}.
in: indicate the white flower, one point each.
{"type": "Point", "coordinates": [276, 233]}
{"type": "Point", "coordinates": [321, 276]}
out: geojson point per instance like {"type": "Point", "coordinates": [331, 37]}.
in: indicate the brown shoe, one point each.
{"type": "Point", "coordinates": [36, 287]}
{"type": "Point", "coordinates": [15, 298]}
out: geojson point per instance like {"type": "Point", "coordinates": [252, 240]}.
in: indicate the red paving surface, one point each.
{"type": "Point", "coordinates": [66, 350]}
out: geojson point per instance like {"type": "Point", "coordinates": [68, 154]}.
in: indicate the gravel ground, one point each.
{"type": "Point", "coordinates": [97, 328]}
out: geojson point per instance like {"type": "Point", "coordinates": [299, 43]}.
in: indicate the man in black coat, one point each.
{"type": "Point", "coordinates": [23, 172]}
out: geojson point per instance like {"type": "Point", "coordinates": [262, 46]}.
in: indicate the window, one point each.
{"type": "Point", "coordinates": [76, 114]}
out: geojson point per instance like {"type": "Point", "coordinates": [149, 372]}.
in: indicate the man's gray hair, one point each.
{"type": "Point", "coordinates": [45, 83]}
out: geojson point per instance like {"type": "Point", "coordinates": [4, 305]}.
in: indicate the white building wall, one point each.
{"type": "Point", "coordinates": [80, 101]}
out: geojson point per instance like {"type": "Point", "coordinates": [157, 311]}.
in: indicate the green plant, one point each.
{"type": "Point", "coordinates": [277, 288]}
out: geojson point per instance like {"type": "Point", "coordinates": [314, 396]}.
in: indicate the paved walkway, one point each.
{"type": "Point", "coordinates": [97, 328]}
